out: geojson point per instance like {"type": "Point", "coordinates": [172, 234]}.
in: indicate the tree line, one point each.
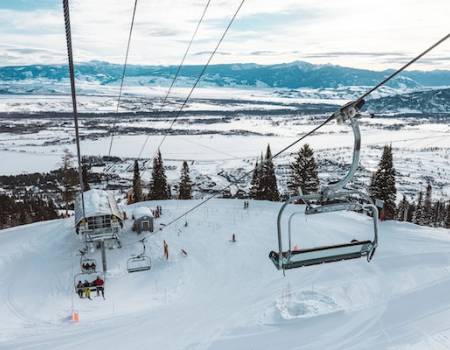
{"type": "Point", "coordinates": [27, 209]}
{"type": "Point", "coordinates": [303, 175]}
{"type": "Point", "coordinates": [159, 188]}
{"type": "Point", "coordinates": [424, 211]}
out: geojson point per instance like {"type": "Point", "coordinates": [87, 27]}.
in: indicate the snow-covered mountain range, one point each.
{"type": "Point", "coordinates": [412, 91]}
{"type": "Point", "coordinates": [293, 75]}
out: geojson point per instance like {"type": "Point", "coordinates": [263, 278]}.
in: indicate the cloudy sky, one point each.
{"type": "Point", "coordinates": [359, 33]}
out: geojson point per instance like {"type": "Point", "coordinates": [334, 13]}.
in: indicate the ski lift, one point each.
{"type": "Point", "coordinates": [332, 198]}
{"type": "Point", "coordinates": [139, 262]}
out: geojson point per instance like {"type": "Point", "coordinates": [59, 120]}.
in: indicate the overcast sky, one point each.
{"type": "Point", "coordinates": [359, 33]}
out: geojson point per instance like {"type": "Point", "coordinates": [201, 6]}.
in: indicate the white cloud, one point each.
{"type": "Point", "coordinates": [347, 32]}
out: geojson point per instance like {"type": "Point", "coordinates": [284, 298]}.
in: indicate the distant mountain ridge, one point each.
{"type": "Point", "coordinates": [292, 75]}
{"type": "Point", "coordinates": [431, 101]}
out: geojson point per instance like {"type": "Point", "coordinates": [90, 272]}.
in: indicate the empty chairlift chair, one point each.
{"type": "Point", "coordinates": [140, 262]}
{"type": "Point", "coordinates": [332, 198]}
{"type": "Point", "coordinates": [290, 259]}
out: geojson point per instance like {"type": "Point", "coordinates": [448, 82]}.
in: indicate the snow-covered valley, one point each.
{"type": "Point", "coordinates": [227, 295]}
{"type": "Point", "coordinates": [221, 133]}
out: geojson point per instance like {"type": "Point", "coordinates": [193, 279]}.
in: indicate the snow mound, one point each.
{"type": "Point", "coordinates": [305, 304]}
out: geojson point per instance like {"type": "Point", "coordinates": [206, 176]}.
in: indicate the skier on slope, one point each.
{"type": "Point", "coordinates": [166, 250]}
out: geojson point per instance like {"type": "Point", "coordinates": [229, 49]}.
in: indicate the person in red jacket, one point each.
{"type": "Point", "coordinates": [100, 286]}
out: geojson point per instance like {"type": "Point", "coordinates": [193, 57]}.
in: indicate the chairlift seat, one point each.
{"type": "Point", "coordinates": [321, 255]}
{"type": "Point", "coordinates": [138, 263]}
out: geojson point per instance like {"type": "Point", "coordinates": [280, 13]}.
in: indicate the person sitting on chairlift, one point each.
{"type": "Point", "coordinates": [87, 290]}
{"type": "Point", "coordinates": [80, 289]}
{"type": "Point", "coordinates": [99, 284]}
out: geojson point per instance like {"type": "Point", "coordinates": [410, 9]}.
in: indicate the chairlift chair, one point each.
{"type": "Point", "coordinates": [92, 263]}
{"type": "Point", "coordinates": [332, 198]}
{"type": "Point", "coordinates": [90, 277]}
{"type": "Point", "coordinates": [140, 262]}
{"type": "Point", "coordinates": [85, 262]}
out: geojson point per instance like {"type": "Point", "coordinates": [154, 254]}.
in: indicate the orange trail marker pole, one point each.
{"type": "Point", "coordinates": [75, 316]}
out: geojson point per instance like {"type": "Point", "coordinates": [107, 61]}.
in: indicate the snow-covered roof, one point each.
{"type": "Point", "coordinates": [96, 203]}
{"type": "Point", "coordinates": [139, 212]}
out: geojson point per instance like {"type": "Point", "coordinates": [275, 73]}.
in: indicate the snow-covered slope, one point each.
{"type": "Point", "coordinates": [229, 295]}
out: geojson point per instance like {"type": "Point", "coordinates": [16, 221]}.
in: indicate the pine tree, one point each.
{"type": "Point", "coordinates": [185, 187]}
{"type": "Point", "coordinates": [304, 173]}
{"type": "Point", "coordinates": [411, 212]}
{"type": "Point", "coordinates": [447, 217]}
{"type": "Point", "coordinates": [169, 191]}
{"type": "Point", "coordinates": [383, 183]}
{"type": "Point", "coordinates": [260, 189]}
{"type": "Point", "coordinates": [85, 173]}
{"type": "Point", "coordinates": [69, 179]}
{"type": "Point", "coordinates": [137, 184]}
{"type": "Point", "coordinates": [418, 213]}
{"type": "Point", "coordinates": [51, 210]}
{"type": "Point", "coordinates": [158, 185]}
{"type": "Point", "coordinates": [436, 214]}
{"type": "Point", "coordinates": [268, 181]}
{"type": "Point", "coordinates": [442, 214]}
{"type": "Point", "coordinates": [402, 211]}
{"type": "Point", "coordinates": [254, 184]}
{"type": "Point", "coordinates": [427, 207]}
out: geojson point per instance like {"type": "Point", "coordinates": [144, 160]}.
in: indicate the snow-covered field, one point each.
{"type": "Point", "coordinates": [225, 295]}
{"type": "Point", "coordinates": [421, 147]}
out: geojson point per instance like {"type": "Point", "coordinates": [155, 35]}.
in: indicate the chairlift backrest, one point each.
{"type": "Point", "coordinates": [139, 263]}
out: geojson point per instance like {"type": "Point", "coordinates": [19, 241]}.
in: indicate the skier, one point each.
{"type": "Point", "coordinates": [99, 284]}
{"type": "Point", "coordinates": [80, 289]}
{"type": "Point", "coordinates": [166, 250]}
{"type": "Point", "coordinates": [233, 238]}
